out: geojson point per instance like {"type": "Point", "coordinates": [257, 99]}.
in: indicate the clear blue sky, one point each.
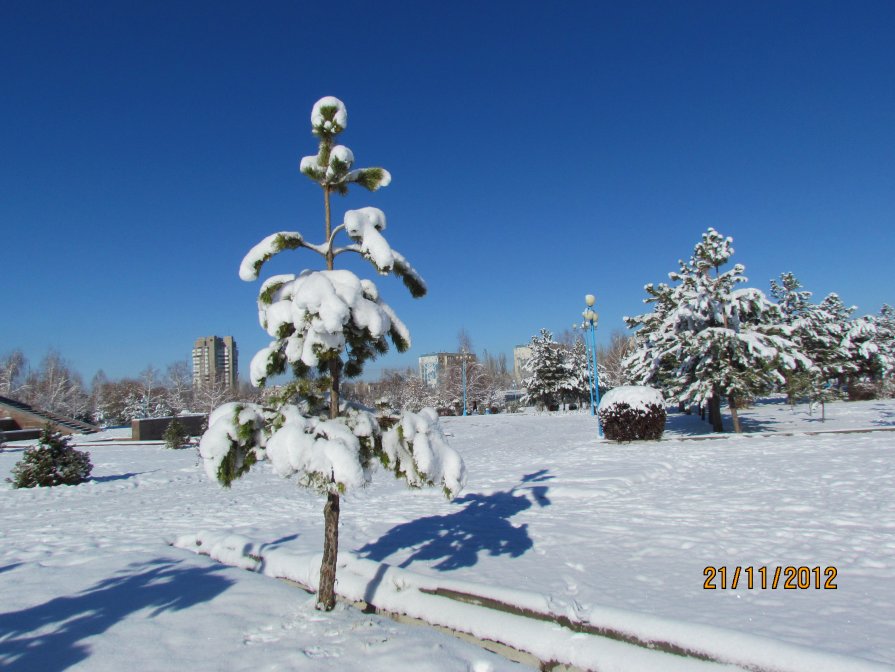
{"type": "Point", "coordinates": [539, 151]}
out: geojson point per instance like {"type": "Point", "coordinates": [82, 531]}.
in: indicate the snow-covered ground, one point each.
{"type": "Point", "coordinates": [614, 535]}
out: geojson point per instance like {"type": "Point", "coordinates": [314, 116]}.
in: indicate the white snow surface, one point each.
{"type": "Point", "coordinates": [635, 396]}
{"type": "Point", "coordinates": [552, 519]}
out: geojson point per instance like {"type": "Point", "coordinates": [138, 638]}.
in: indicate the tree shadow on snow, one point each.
{"type": "Point", "coordinates": [886, 415]}
{"type": "Point", "coordinates": [7, 568]}
{"type": "Point", "coordinates": [276, 543]}
{"type": "Point", "coordinates": [681, 424]}
{"type": "Point", "coordinates": [120, 477]}
{"type": "Point", "coordinates": [456, 539]}
{"type": "Point", "coordinates": [50, 636]}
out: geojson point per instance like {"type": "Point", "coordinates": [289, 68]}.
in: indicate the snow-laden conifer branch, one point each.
{"type": "Point", "coordinates": [415, 449]}
{"type": "Point", "coordinates": [332, 166]}
{"type": "Point", "coordinates": [266, 249]}
{"type": "Point", "coordinates": [330, 455]}
{"type": "Point", "coordinates": [316, 315]}
{"type": "Point", "coordinates": [234, 441]}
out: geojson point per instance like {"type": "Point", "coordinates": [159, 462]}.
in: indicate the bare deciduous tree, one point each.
{"type": "Point", "coordinates": [611, 360]}
{"type": "Point", "coordinates": [12, 373]}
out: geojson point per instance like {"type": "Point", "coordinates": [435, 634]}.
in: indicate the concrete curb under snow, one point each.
{"type": "Point", "coordinates": [521, 625]}
{"type": "Point", "coordinates": [768, 435]}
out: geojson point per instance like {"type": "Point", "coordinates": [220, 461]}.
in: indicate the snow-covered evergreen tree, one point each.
{"type": "Point", "coordinates": [818, 330]}
{"type": "Point", "coordinates": [886, 337]}
{"type": "Point", "coordinates": [52, 462]}
{"type": "Point", "coordinates": [576, 387]}
{"type": "Point", "coordinates": [707, 339]}
{"type": "Point", "coordinates": [793, 301]}
{"type": "Point", "coordinates": [544, 385]}
{"type": "Point", "coordinates": [868, 345]}
{"type": "Point", "coordinates": [325, 324]}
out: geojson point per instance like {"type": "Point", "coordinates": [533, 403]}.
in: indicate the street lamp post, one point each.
{"type": "Point", "coordinates": [464, 382]}
{"type": "Point", "coordinates": [590, 319]}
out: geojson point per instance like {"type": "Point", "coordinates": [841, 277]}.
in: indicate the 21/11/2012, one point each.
{"type": "Point", "coordinates": [794, 578]}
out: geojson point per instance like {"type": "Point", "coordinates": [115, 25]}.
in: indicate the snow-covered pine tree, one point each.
{"type": "Point", "coordinates": [548, 374]}
{"type": "Point", "coordinates": [793, 301]}
{"type": "Point", "coordinates": [176, 435]}
{"type": "Point", "coordinates": [325, 324]}
{"type": "Point", "coordinates": [795, 307]}
{"type": "Point", "coordinates": [708, 340]}
{"type": "Point", "coordinates": [576, 387]}
{"type": "Point", "coordinates": [886, 330]}
{"type": "Point", "coordinates": [868, 345]}
{"type": "Point", "coordinates": [52, 462]}
{"type": "Point", "coordinates": [654, 334]}
{"type": "Point", "coordinates": [818, 330]}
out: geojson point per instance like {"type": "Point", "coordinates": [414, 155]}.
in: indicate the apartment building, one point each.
{"type": "Point", "coordinates": [215, 358]}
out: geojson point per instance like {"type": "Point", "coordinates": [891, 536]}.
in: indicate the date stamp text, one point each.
{"type": "Point", "coordinates": [764, 578]}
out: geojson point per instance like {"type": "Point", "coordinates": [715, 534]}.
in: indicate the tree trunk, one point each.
{"type": "Point", "coordinates": [326, 590]}
{"type": "Point", "coordinates": [734, 415]}
{"type": "Point", "coordinates": [715, 413]}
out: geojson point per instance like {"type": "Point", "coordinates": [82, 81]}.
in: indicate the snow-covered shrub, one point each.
{"type": "Point", "coordinates": [864, 390]}
{"type": "Point", "coordinates": [633, 413]}
{"type": "Point", "coordinates": [52, 462]}
{"type": "Point", "coordinates": [175, 435]}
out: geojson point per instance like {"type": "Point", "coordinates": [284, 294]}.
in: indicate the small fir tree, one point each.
{"type": "Point", "coordinates": [325, 325]}
{"type": "Point", "coordinates": [175, 435]}
{"type": "Point", "coordinates": [52, 462]}
{"type": "Point", "coordinates": [548, 374]}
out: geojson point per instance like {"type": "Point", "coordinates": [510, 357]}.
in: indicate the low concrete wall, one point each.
{"type": "Point", "coordinates": [153, 429]}
{"type": "Point", "coordinates": [7, 424]}
{"type": "Point", "coordinates": [20, 435]}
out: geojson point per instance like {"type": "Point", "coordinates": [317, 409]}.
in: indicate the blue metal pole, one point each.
{"type": "Point", "coordinates": [590, 382]}
{"type": "Point", "coordinates": [464, 383]}
{"type": "Point", "coordinates": [593, 336]}
{"type": "Point", "coordinates": [590, 373]}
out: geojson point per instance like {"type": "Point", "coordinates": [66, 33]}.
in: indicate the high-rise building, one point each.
{"type": "Point", "coordinates": [521, 355]}
{"type": "Point", "coordinates": [215, 359]}
{"type": "Point", "coordinates": [435, 367]}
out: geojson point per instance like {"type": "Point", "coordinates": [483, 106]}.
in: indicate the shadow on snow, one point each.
{"type": "Point", "coordinates": [456, 539]}
{"type": "Point", "coordinates": [50, 636]}
{"type": "Point", "coordinates": [119, 477]}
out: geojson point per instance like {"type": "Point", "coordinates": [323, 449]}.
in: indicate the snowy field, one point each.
{"type": "Point", "coordinates": [612, 535]}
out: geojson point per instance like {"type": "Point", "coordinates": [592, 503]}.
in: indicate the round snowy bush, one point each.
{"type": "Point", "coordinates": [633, 413]}
{"type": "Point", "coordinates": [52, 462]}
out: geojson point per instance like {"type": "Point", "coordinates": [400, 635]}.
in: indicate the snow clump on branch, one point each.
{"type": "Point", "coordinates": [315, 315]}
{"type": "Point", "coordinates": [329, 115]}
